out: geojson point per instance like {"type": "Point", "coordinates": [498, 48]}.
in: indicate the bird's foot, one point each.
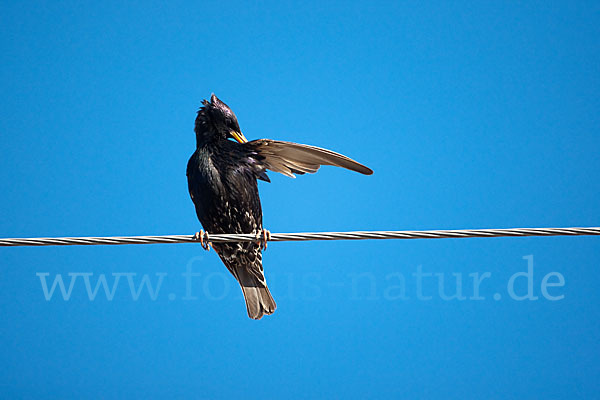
{"type": "Point", "coordinates": [202, 236]}
{"type": "Point", "coordinates": [263, 237]}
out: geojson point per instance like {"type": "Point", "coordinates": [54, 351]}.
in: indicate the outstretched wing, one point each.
{"type": "Point", "coordinates": [290, 158]}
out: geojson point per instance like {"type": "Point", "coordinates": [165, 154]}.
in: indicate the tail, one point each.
{"type": "Point", "coordinates": [256, 293]}
{"type": "Point", "coordinates": [246, 266]}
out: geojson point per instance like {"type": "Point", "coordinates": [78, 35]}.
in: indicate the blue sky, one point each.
{"type": "Point", "coordinates": [471, 114]}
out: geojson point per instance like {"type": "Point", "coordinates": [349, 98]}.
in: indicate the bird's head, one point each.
{"type": "Point", "coordinates": [216, 121]}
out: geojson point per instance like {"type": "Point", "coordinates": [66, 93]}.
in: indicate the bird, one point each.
{"type": "Point", "coordinates": [223, 174]}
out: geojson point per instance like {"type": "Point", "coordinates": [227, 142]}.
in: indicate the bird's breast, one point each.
{"type": "Point", "coordinates": [225, 193]}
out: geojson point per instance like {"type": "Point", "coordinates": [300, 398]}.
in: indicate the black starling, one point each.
{"type": "Point", "coordinates": [222, 180]}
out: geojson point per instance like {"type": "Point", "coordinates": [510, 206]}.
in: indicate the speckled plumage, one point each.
{"type": "Point", "coordinates": [222, 181]}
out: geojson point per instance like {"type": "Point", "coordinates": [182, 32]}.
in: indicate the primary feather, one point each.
{"type": "Point", "coordinates": [290, 158]}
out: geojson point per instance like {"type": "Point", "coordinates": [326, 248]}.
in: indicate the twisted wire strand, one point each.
{"type": "Point", "coordinates": [303, 236]}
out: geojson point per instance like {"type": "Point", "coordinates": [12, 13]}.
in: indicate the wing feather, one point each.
{"type": "Point", "coordinates": [290, 158]}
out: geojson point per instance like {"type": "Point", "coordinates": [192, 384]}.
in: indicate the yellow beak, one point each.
{"type": "Point", "coordinates": [239, 136]}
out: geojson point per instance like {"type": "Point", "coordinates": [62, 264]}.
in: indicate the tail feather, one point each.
{"type": "Point", "coordinates": [246, 266]}
{"type": "Point", "coordinates": [256, 293]}
{"type": "Point", "coordinates": [258, 301]}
